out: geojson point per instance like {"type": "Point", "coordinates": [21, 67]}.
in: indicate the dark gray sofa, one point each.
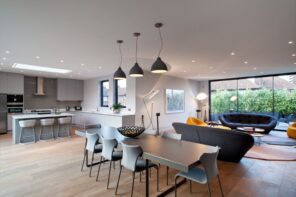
{"type": "Point", "coordinates": [234, 144]}
{"type": "Point", "coordinates": [234, 120]}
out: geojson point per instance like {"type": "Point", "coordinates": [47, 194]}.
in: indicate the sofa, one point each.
{"type": "Point", "coordinates": [234, 120]}
{"type": "Point", "coordinates": [234, 144]}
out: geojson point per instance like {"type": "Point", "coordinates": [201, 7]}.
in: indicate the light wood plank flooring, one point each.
{"type": "Point", "coordinates": [52, 168]}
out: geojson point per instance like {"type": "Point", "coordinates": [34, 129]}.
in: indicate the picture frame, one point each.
{"type": "Point", "coordinates": [174, 101]}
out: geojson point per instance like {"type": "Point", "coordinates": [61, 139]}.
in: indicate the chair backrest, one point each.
{"type": "Point", "coordinates": [170, 135]}
{"type": "Point", "coordinates": [209, 162]}
{"type": "Point", "coordinates": [47, 122]}
{"type": "Point", "coordinates": [130, 156]}
{"type": "Point", "coordinates": [27, 123]}
{"type": "Point", "coordinates": [108, 147]}
{"type": "Point", "coordinates": [65, 120]}
{"type": "Point", "coordinates": [92, 139]}
{"type": "Point", "coordinates": [111, 133]}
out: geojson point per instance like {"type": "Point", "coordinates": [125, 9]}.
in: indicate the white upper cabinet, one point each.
{"type": "Point", "coordinates": [69, 90]}
{"type": "Point", "coordinates": [11, 83]}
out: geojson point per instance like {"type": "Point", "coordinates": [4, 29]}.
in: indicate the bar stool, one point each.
{"type": "Point", "coordinates": [29, 124]}
{"type": "Point", "coordinates": [64, 121]}
{"type": "Point", "coordinates": [48, 122]}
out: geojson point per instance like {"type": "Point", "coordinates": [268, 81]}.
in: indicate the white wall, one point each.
{"type": "Point", "coordinates": [161, 82]}
{"type": "Point", "coordinates": [91, 99]}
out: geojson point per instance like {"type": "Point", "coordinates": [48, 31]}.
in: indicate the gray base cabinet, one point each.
{"type": "Point", "coordinates": [69, 90]}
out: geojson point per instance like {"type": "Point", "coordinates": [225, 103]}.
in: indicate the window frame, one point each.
{"type": "Point", "coordinates": [116, 92]}
{"type": "Point", "coordinates": [101, 93]}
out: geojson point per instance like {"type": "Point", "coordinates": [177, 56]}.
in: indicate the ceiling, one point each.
{"type": "Point", "coordinates": [199, 36]}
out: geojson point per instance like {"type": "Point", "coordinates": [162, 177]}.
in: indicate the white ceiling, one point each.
{"type": "Point", "coordinates": [207, 31]}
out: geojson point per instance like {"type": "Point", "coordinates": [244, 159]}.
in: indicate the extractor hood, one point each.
{"type": "Point", "coordinates": [39, 87]}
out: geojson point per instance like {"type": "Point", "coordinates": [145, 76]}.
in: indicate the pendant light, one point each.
{"type": "Point", "coordinates": [119, 74]}
{"type": "Point", "coordinates": [136, 70]}
{"type": "Point", "coordinates": [159, 66]}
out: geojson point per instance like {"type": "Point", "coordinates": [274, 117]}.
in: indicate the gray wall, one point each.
{"type": "Point", "coordinates": [43, 102]}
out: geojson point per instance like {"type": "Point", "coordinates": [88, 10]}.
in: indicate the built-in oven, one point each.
{"type": "Point", "coordinates": [15, 99]}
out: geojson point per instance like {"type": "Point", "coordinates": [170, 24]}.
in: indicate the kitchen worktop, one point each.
{"type": "Point", "coordinates": [106, 113]}
{"type": "Point", "coordinates": [37, 116]}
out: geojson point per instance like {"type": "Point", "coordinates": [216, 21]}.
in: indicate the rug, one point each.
{"type": "Point", "coordinates": [278, 138]}
{"type": "Point", "coordinates": [272, 153]}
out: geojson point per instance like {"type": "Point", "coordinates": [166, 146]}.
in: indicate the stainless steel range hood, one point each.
{"type": "Point", "coordinates": [39, 87]}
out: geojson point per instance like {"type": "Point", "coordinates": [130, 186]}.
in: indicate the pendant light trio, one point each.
{"type": "Point", "coordinates": [136, 71]}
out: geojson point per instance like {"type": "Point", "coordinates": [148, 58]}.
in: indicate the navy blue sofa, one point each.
{"type": "Point", "coordinates": [234, 120]}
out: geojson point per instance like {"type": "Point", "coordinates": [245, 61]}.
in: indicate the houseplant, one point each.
{"type": "Point", "coordinates": [117, 108]}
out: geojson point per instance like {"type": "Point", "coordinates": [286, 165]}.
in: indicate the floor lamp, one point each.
{"type": "Point", "coordinates": [201, 97]}
{"type": "Point", "coordinates": [146, 98]}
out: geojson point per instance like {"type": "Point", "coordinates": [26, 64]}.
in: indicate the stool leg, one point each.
{"type": "Point", "coordinates": [52, 129]}
{"type": "Point", "coordinates": [58, 131]}
{"type": "Point", "coordinates": [41, 128]}
{"type": "Point", "coordinates": [20, 135]}
{"type": "Point", "coordinates": [34, 134]}
{"type": "Point", "coordinates": [69, 130]}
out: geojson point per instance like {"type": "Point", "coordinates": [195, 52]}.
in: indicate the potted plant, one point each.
{"type": "Point", "coordinates": [117, 108]}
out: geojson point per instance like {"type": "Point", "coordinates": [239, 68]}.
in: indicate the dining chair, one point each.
{"type": "Point", "coordinates": [109, 153]}
{"type": "Point", "coordinates": [202, 176]}
{"type": "Point", "coordinates": [174, 136]}
{"type": "Point", "coordinates": [132, 161]}
{"type": "Point", "coordinates": [92, 145]}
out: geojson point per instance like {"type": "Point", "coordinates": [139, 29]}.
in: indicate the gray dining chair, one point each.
{"type": "Point", "coordinates": [174, 136]}
{"type": "Point", "coordinates": [94, 128]}
{"type": "Point", "coordinates": [109, 153]}
{"type": "Point", "coordinates": [202, 176]}
{"type": "Point", "coordinates": [92, 145]}
{"type": "Point", "coordinates": [132, 161]}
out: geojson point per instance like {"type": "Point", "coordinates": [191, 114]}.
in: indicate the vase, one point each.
{"type": "Point", "coordinates": [116, 111]}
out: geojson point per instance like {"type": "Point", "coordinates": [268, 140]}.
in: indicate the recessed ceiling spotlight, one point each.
{"type": "Point", "coordinates": [290, 42]}
{"type": "Point", "coordinates": [62, 61]}
{"type": "Point", "coordinates": [211, 67]}
{"type": "Point", "coordinates": [79, 73]}
{"type": "Point", "coordinates": [82, 64]}
{"type": "Point", "coordinates": [261, 72]}
{"type": "Point", "coordinates": [37, 57]}
{"type": "Point", "coordinates": [1, 63]}
{"type": "Point", "coordinates": [193, 61]}
{"type": "Point", "coordinates": [293, 55]}
{"type": "Point", "coordinates": [223, 72]}
{"type": "Point", "coordinates": [246, 62]}
{"type": "Point", "coordinates": [232, 53]}
{"type": "Point", "coordinates": [294, 62]}
{"type": "Point", "coordinates": [100, 67]}
{"type": "Point", "coordinates": [7, 52]}
{"type": "Point", "coordinates": [184, 71]}
{"type": "Point", "coordinates": [254, 68]}
{"type": "Point", "coordinates": [4, 58]}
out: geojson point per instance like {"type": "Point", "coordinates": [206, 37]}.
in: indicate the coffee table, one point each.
{"type": "Point", "coordinates": [256, 133]}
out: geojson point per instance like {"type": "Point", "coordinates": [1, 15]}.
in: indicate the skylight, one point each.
{"type": "Point", "coordinates": [40, 68]}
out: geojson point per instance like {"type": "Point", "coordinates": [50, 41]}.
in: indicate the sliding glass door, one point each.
{"type": "Point", "coordinates": [272, 95]}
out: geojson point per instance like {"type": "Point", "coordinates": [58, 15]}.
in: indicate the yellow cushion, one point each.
{"type": "Point", "coordinates": [222, 127]}
{"type": "Point", "coordinates": [196, 122]}
{"type": "Point", "coordinates": [291, 132]}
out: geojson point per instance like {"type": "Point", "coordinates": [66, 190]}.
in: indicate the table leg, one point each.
{"type": "Point", "coordinates": [147, 178]}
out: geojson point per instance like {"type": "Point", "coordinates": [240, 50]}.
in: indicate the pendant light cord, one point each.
{"type": "Point", "coordinates": [120, 52]}
{"type": "Point", "coordinates": [161, 42]}
{"type": "Point", "coordinates": [137, 49]}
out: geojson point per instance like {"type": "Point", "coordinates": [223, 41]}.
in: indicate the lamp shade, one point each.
{"type": "Point", "coordinates": [159, 66]}
{"type": "Point", "coordinates": [136, 71]}
{"type": "Point", "coordinates": [201, 96]}
{"type": "Point", "coordinates": [119, 74]}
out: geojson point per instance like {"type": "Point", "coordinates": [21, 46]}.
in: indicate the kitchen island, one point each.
{"type": "Point", "coordinates": [16, 127]}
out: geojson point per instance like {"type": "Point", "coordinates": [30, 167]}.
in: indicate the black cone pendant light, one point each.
{"type": "Point", "coordinates": [136, 70]}
{"type": "Point", "coordinates": [159, 66]}
{"type": "Point", "coordinates": [119, 74]}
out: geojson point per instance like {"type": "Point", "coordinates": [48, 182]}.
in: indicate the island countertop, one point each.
{"type": "Point", "coordinates": [38, 116]}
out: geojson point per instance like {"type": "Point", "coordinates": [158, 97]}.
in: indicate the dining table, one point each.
{"type": "Point", "coordinates": [177, 154]}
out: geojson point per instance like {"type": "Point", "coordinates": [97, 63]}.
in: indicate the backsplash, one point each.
{"type": "Point", "coordinates": [48, 101]}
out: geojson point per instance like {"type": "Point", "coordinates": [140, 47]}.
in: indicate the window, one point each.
{"type": "Point", "coordinates": [273, 95]}
{"type": "Point", "coordinates": [120, 92]}
{"type": "Point", "coordinates": [104, 93]}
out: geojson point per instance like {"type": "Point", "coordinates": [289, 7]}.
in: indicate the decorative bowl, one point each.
{"type": "Point", "coordinates": [131, 131]}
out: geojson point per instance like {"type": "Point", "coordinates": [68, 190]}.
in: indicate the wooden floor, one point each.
{"type": "Point", "coordinates": [52, 168]}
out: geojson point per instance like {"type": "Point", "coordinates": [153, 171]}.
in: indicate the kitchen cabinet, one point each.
{"type": "Point", "coordinates": [69, 90]}
{"type": "Point", "coordinates": [11, 83]}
